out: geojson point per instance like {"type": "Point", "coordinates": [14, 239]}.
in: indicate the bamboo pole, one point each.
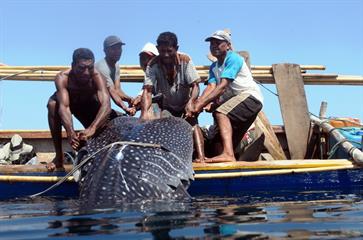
{"type": "Point", "coordinates": [53, 179]}
{"type": "Point", "coordinates": [277, 164]}
{"type": "Point", "coordinates": [268, 172]}
{"type": "Point", "coordinates": [354, 152]}
{"type": "Point", "coordinates": [199, 67]}
{"type": "Point", "coordinates": [261, 78]}
{"type": "Point", "coordinates": [33, 179]}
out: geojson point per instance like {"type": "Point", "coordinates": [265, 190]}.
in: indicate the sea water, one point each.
{"type": "Point", "coordinates": [245, 217]}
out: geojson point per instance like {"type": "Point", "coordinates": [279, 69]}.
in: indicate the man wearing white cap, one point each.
{"type": "Point", "coordinates": [146, 54]}
{"type": "Point", "coordinates": [110, 71]}
{"type": "Point", "coordinates": [231, 94]}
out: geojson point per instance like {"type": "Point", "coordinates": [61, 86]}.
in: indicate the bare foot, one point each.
{"type": "Point", "coordinates": [199, 160]}
{"type": "Point", "coordinates": [55, 164]}
{"type": "Point", "coordinates": [221, 158]}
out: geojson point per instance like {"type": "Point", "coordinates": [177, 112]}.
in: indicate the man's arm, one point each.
{"type": "Point", "coordinates": [114, 93]}
{"type": "Point", "coordinates": [193, 98]}
{"type": "Point", "coordinates": [103, 111]}
{"type": "Point", "coordinates": [213, 95]}
{"type": "Point", "coordinates": [61, 83]}
{"type": "Point", "coordinates": [210, 87]}
{"type": "Point", "coordinates": [146, 102]}
{"type": "Point", "coordinates": [119, 96]}
{"type": "Point", "coordinates": [121, 93]}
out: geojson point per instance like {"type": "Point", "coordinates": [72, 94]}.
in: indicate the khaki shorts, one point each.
{"type": "Point", "coordinates": [242, 111]}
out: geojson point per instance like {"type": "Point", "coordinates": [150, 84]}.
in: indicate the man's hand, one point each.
{"type": "Point", "coordinates": [130, 111]}
{"type": "Point", "coordinates": [210, 107]}
{"type": "Point", "coordinates": [190, 110]}
{"type": "Point", "coordinates": [137, 101]}
{"type": "Point", "coordinates": [197, 108]}
{"type": "Point", "coordinates": [86, 134]}
{"type": "Point", "coordinates": [73, 140]}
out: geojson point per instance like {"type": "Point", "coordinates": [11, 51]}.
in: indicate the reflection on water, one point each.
{"type": "Point", "coordinates": [202, 218]}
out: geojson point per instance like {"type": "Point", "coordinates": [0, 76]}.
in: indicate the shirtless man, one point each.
{"type": "Point", "coordinates": [82, 92]}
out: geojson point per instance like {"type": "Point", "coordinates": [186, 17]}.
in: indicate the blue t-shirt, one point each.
{"type": "Point", "coordinates": [237, 72]}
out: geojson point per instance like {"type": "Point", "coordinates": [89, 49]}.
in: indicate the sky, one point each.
{"type": "Point", "coordinates": [308, 32]}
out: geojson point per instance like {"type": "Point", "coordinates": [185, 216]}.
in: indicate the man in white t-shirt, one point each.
{"type": "Point", "coordinates": [231, 95]}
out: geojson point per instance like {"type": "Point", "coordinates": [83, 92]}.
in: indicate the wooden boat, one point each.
{"type": "Point", "coordinates": [282, 160]}
{"type": "Point", "coordinates": [277, 177]}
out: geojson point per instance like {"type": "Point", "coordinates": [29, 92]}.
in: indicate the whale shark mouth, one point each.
{"type": "Point", "coordinates": [135, 161]}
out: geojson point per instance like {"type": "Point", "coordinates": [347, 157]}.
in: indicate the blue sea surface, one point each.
{"type": "Point", "coordinates": [338, 216]}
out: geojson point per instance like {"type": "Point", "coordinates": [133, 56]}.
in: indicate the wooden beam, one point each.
{"type": "Point", "coordinates": [294, 107]}
{"type": "Point", "coordinates": [264, 78]}
{"type": "Point", "coordinates": [271, 142]}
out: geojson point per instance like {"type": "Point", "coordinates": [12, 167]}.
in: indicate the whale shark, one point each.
{"type": "Point", "coordinates": [132, 161]}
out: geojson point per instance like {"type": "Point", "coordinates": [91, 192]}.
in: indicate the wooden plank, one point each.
{"type": "Point", "coordinates": [294, 107]}
{"type": "Point", "coordinates": [122, 67]}
{"type": "Point", "coordinates": [268, 172]}
{"type": "Point", "coordinates": [271, 142]}
{"type": "Point", "coordinates": [283, 164]}
{"type": "Point", "coordinates": [266, 78]}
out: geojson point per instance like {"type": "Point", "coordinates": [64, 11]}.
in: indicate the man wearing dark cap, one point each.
{"type": "Point", "coordinates": [110, 71]}
{"type": "Point", "coordinates": [82, 92]}
{"type": "Point", "coordinates": [232, 95]}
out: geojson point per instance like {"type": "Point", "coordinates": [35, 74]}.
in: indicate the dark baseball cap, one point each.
{"type": "Point", "coordinates": [112, 40]}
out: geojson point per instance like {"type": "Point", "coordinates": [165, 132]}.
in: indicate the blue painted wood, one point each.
{"type": "Point", "coordinates": [285, 186]}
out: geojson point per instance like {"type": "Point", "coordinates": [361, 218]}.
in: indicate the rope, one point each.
{"type": "Point", "coordinates": [266, 88]}
{"type": "Point", "coordinates": [335, 147]}
{"type": "Point", "coordinates": [77, 167]}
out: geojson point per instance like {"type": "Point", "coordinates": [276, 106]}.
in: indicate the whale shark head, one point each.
{"type": "Point", "coordinates": [133, 161]}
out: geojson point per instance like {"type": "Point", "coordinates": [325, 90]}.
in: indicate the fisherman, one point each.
{"type": "Point", "coordinates": [82, 92]}
{"type": "Point", "coordinates": [231, 95]}
{"type": "Point", "coordinates": [148, 52]}
{"type": "Point", "coordinates": [173, 75]}
{"type": "Point", "coordinates": [110, 71]}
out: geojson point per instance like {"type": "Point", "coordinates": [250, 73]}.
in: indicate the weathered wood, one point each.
{"type": "Point", "coordinates": [268, 172]}
{"type": "Point", "coordinates": [123, 67]}
{"type": "Point", "coordinates": [265, 78]}
{"type": "Point", "coordinates": [11, 169]}
{"type": "Point", "coordinates": [294, 107]}
{"type": "Point", "coordinates": [271, 142]}
{"type": "Point", "coordinates": [253, 150]}
{"type": "Point", "coordinates": [283, 164]}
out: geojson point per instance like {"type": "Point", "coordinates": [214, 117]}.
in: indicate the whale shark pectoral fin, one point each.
{"type": "Point", "coordinates": [181, 192]}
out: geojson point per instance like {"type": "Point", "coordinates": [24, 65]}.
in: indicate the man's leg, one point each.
{"type": "Point", "coordinates": [225, 131]}
{"type": "Point", "coordinates": [55, 126]}
{"type": "Point", "coordinates": [198, 143]}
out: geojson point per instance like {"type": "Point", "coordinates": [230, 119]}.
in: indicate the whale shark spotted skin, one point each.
{"type": "Point", "coordinates": [131, 173]}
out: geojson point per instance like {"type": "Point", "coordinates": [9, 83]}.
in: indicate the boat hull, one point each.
{"type": "Point", "coordinates": [285, 185]}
